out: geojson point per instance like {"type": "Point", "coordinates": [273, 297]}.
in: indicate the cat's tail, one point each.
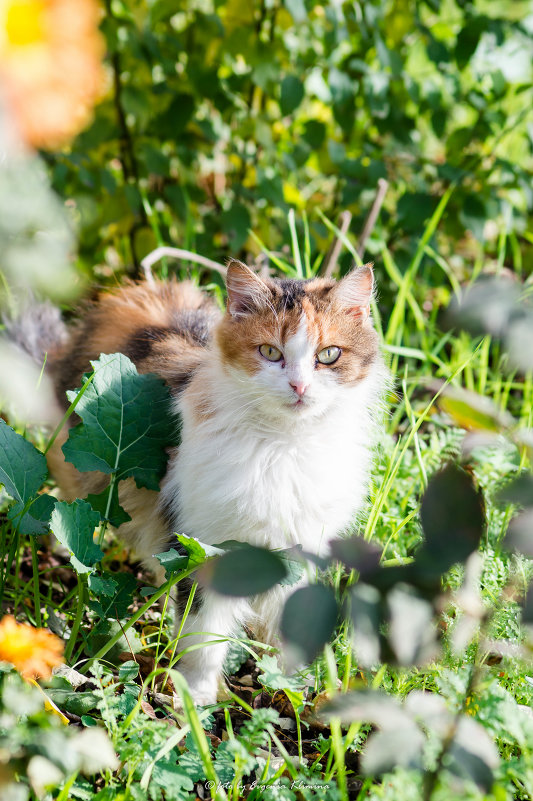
{"type": "Point", "coordinates": [38, 330]}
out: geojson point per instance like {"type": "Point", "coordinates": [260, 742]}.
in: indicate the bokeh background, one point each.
{"type": "Point", "coordinates": [201, 124]}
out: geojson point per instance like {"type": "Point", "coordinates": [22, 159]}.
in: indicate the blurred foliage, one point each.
{"type": "Point", "coordinates": [219, 116]}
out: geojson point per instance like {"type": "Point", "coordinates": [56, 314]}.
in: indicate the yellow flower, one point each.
{"type": "Point", "coordinates": [33, 652]}
{"type": "Point", "coordinates": [50, 66]}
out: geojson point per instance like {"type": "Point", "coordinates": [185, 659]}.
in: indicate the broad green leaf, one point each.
{"type": "Point", "coordinates": [308, 619]}
{"type": "Point", "coordinates": [273, 677]}
{"type": "Point", "coordinates": [452, 517]}
{"type": "Point", "coordinates": [112, 512]}
{"type": "Point", "coordinates": [519, 536]}
{"type": "Point", "coordinates": [487, 307]}
{"type": "Point", "coordinates": [128, 670]}
{"type": "Point", "coordinates": [172, 778]}
{"type": "Point", "coordinates": [36, 519]}
{"type": "Point", "coordinates": [105, 630]}
{"type": "Point", "coordinates": [230, 754]}
{"type": "Point", "coordinates": [365, 613]}
{"type": "Point", "coordinates": [295, 567]}
{"type": "Point", "coordinates": [163, 9]}
{"type": "Point", "coordinates": [519, 491]}
{"type": "Point", "coordinates": [197, 551]}
{"type": "Point", "coordinates": [79, 703]}
{"type": "Point", "coordinates": [292, 93]}
{"type": "Point", "coordinates": [473, 755]}
{"type": "Point", "coordinates": [367, 706]}
{"type": "Point", "coordinates": [297, 9]}
{"type": "Point", "coordinates": [356, 553]}
{"type": "Point", "coordinates": [116, 606]}
{"type": "Point", "coordinates": [412, 633]}
{"type": "Point", "coordinates": [189, 552]}
{"type": "Point", "coordinates": [385, 750]}
{"type": "Point", "coordinates": [172, 561]}
{"type": "Point", "coordinates": [74, 524]}
{"type": "Point", "coordinates": [244, 571]}
{"type": "Point", "coordinates": [22, 472]}
{"type": "Point", "coordinates": [527, 606]}
{"type": "Point", "coordinates": [127, 422]}
{"type": "Point", "coordinates": [235, 223]}
{"type": "Point", "coordinates": [22, 467]}
{"type": "Point", "coordinates": [102, 585]}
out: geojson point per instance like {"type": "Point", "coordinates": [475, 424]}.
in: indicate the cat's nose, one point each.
{"type": "Point", "coordinates": [299, 387]}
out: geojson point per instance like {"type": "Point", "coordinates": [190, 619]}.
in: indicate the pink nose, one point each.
{"type": "Point", "coordinates": [299, 387]}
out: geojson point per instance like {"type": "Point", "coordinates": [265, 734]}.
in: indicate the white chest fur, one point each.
{"type": "Point", "coordinates": [241, 477]}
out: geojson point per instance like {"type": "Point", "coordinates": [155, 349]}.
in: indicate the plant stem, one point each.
{"type": "Point", "coordinates": [138, 614]}
{"type": "Point", "coordinates": [77, 620]}
{"type": "Point", "coordinates": [36, 593]}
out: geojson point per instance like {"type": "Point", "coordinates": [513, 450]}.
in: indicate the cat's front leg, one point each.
{"type": "Point", "coordinates": [211, 620]}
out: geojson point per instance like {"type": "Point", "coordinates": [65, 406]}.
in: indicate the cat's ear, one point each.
{"type": "Point", "coordinates": [354, 291]}
{"type": "Point", "coordinates": [246, 291]}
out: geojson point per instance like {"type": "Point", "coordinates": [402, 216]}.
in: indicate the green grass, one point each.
{"type": "Point", "coordinates": [259, 734]}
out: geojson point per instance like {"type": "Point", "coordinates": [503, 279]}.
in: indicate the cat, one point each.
{"type": "Point", "coordinates": [279, 399]}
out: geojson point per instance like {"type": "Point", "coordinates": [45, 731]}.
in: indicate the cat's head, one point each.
{"type": "Point", "coordinates": [296, 346]}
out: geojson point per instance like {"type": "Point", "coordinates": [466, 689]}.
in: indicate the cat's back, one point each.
{"type": "Point", "coordinates": [163, 327]}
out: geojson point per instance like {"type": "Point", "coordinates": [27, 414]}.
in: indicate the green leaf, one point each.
{"type": "Point", "coordinates": [172, 561]}
{"type": "Point", "coordinates": [385, 750]}
{"type": "Point", "coordinates": [452, 517]}
{"type": "Point", "coordinates": [22, 472]}
{"type": "Point", "coordinates": [297, 10]}
{"type": "Point", "coordinates": [22, 467]}
{"type": "Point", "coordinates": [164, 9]}
{"type": "Point", "coordinates": [77, 703]}
{"type": "Point", "coordinates": [235, 223]}
{"type": "Point", "coordinates": [244, 571]}
{"type": "Point", "coordinates": [519, 536]}
{"type": "Point", "coordinates": [519, 491]}
{"type": "Point", "coordinates": [116, 605]}
{"type": "Point", "coordinates": [314, 133]}
{"type": "Point", "coordinates": [292, 93]}
{"type": "Point", "coordinates": [355, 552]}
{"type": "Point", "coordinates": [36, 519]}
{"type": "Point", "coordinates": [172, 778]}
{"type": "Point", "coordinates": [174, 120]}
{"type": "Point", "coordinates": [128, 670]}
{"type": "Point", "coordinates": [198, 551]}
{"type": "Point", "coordinates": [115, 515]}
{"type": "Point", "coordinates": [527, 604]}
{"type": "Point", "coordinates": [295, 567]}
{"type": "Point", "coordinates": [106, 630]}
{"type": "Point", "coordinates": [473, 755]}
{"type": "Point", "coordinates": [102, 585]}
{"type": "Point", "coordinates": [369, 706]}
{"type": "Point", "coordinates": [308, 619]}
{"type": "Point", "coordinates": [73, 524]}
{"type": "Point", "coordinates": [189, 552]}
{"type": "Point", "coordinates": [412, 633]}
{"type": "Point", "coordinates": [127, 424]}
{"type": "Point", "coordinates": [468, 39]}
{"type": "Point", "coordinates": [365, 613]}
{"type": "Point", "coordinates": [486, 307]}
{"type": "Point", "coordinates": [273, 677]}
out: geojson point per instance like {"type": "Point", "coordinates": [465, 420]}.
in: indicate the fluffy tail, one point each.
{"type": "Point", "coordinates": [38, 330]}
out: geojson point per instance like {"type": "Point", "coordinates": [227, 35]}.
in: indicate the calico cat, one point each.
{"type": "Point", "coordinates": [278, 400]}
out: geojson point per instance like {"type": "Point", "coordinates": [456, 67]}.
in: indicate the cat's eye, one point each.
{"type": "Point", "coordinates": [270, 352]}
{"type": "Point", "coordinates": [329, 355]}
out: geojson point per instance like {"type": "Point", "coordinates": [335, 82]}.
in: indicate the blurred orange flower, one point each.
{"type": "Point", "coordinates": [33, 652]}
{"type": "Point", "coordinates": [50, 66]}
